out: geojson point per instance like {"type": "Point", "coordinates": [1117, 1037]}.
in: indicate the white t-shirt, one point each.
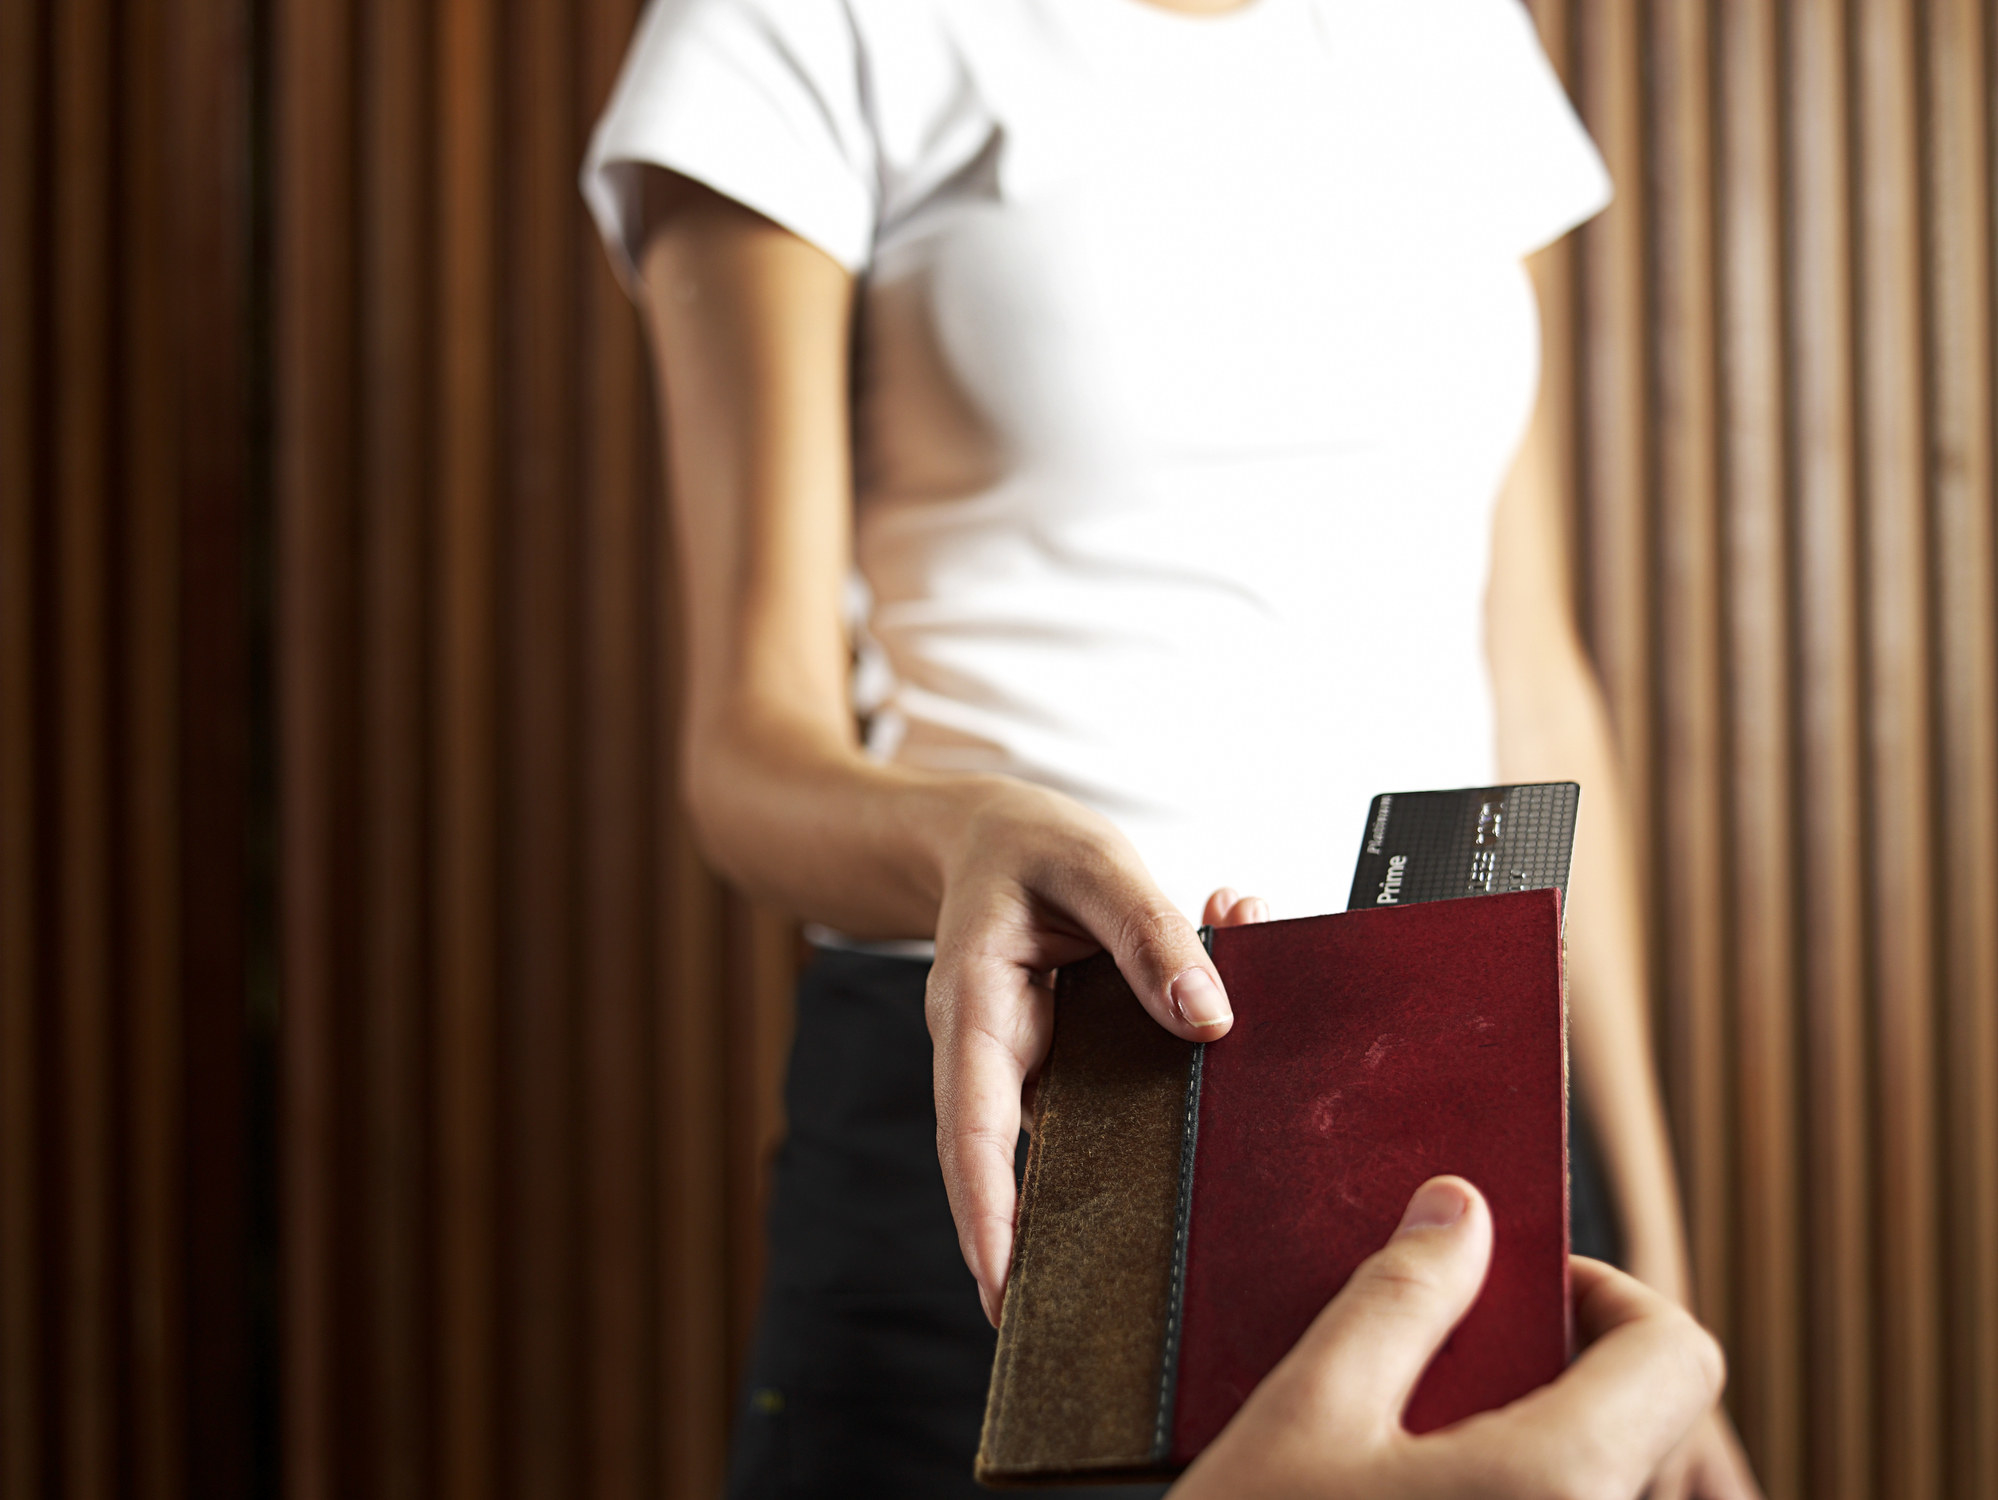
{"type": "Point", "coordinates": [1191, 352]}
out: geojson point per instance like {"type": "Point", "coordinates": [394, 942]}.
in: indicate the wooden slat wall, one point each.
{"type": "Point", "coordinates": [1960, 74]}
{"type": "Point", "coordinates": [125, 468]}
{"type": "Point", "coordinates": [531, 1043]}
{"type": "Point", "coordinates": [1780, 346]}
{"type": "Point", "coordinates": [531, 1048]}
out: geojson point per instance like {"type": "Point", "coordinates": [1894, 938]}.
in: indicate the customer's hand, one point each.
{"type": "Point", "coordinates": [1327, 1421]}
{"type": "Point", "coordinates": [1035, 880]}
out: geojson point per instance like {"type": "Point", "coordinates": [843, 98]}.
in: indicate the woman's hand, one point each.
{"type": "Point", "coordinates": [1327, 1421]}
{"type": "Point", "coordinates": [1033, 880]}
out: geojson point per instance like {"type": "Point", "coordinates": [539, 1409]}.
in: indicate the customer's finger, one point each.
{"type": "Point", "coordinates": [1648, 1374]}
{"type": "Point", "coordinates": [989, 1024]}
{"type": "Point", "coordinates": [1157, 950]}
{"type": "Point", "coordinates": [1363, 1355]}
{"type": "Point", "coordinates": [1227, 907]}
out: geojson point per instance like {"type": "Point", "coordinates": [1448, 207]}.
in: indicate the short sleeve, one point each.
{"type": "Point", "coordinates": [759, 100]}
{"type": "Point", "coordinates": [1534, 174]}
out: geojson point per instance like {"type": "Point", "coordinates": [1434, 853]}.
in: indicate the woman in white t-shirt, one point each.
{"type": "Point", "coordinates": [1117, 411]}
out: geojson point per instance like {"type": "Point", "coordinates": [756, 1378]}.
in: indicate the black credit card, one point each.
{"type": "Point", "coordinates": [1432, 846]}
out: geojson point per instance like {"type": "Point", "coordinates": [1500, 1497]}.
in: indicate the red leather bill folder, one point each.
{"type": "Point", "coordinates": [1187, 1210]}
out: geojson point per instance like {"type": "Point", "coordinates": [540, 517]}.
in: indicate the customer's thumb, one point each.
{"type": "Point", "coordinates": [1365, 1352]}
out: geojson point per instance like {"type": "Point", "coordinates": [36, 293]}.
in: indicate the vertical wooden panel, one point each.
{"type": "Point", "coordinates": [395, 325]}
{"type": "Point", "coordinates": [206, 48]}
{"type": "Point", "coordinates": [1965, 558]}
{"type": "Point", "coordinates": [694, 1252]}
{"type": "Point", "coordinates": [1894, 535]}
{"type": "Point", "coordinates": [1691, 885]}
{"type": "Point", "coordinates": [146, 574]}
{"type": "Point", "coordinates": [619, 896]}
{"type": "Point", "coordinates": [465, 772]}
{"type": "Point", "coordinates": [763, 964]}
{"type": "Point", "coordinates": [1852, 524]}
{"type": "Point", "coordinates": [536, 168]}
{"type": "Point", "coordinates": [84, 116]}
{"type": "Point", "coordinates": [530, 1048]}
{"type": "Point", "coordinates": [1832, 850]}
{"type": "Point", "coordinates": [1766, 1350]}
{"type": "Point", "coordinates": [622, 889]}
{"type": "Point", "coordinates": [1614, 515]}
{"type": "Point", "coordinates": [21, 919]}
{"type": "Point", "coordinates": [121, 476]}
{"type": "Point", "coordinates": [313, 359]}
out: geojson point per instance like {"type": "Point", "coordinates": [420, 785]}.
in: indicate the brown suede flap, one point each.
{"type": "Point", "coordinates": [1076, 1385]}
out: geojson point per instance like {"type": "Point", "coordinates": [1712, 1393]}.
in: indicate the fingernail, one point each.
{"type": "Point", "coordinates": [1435, 1206]}
{"type": "Point", "coordinates": [1198, 999]}
{"type": "Point", "coordinates": [1259, 909]}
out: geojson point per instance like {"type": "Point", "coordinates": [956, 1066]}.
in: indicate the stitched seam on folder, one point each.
{"type": "Point", "coordinates": [1176, 1290]}
{"type": "Point", "coordinates": [1189, 1136]}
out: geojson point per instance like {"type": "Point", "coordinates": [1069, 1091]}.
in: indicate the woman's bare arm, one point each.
{"type": "Point", "coordinates": [750, 329]}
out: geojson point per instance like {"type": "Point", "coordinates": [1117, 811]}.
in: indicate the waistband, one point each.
{"type": "Point", "coordinates": [838, 942]}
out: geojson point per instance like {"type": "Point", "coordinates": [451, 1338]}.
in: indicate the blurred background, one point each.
{"type": "Point", "coordinates": [385, 1087]}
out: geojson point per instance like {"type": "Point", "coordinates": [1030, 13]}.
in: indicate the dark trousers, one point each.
{"type": "Point", "coordinates": [869, 1369]}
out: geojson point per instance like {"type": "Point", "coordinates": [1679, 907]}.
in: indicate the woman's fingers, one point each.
{"type": "Point", "coordinates": [989, 1025]}
{"type": "Point", "coordinates": [1157, 950]}
{"type": "Point", "coordinates": [1040, 880]}
{"type": "Point", "coordinates": [1229, 908]}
